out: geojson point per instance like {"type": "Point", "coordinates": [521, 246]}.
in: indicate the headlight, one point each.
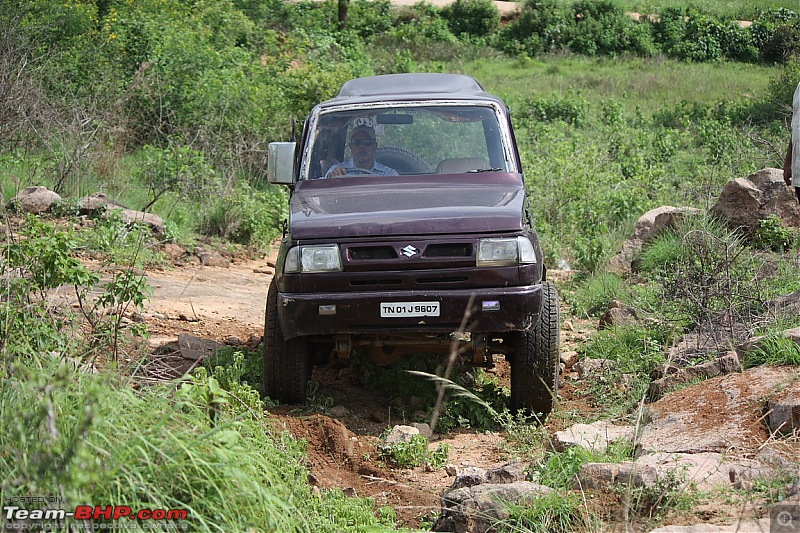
{"type": "Point", "coordinates": [505, 252]}
{"type": "Point", "coordinates": [323, 258]}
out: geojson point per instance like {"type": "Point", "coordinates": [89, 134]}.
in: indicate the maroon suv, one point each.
{"type": "Point", "coordinates": [409, 230]}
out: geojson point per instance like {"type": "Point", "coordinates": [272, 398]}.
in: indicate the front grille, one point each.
{"type": "Point", "coordinates": [368, 253]}
{"type": "Point", "coordinates": [459, 249]}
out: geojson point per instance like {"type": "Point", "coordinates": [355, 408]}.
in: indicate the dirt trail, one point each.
{"type": "Point", "coordinates": [213, 302]}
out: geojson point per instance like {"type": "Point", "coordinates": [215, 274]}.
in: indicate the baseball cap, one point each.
{"type": "Point", "coordinates": [363, 124]}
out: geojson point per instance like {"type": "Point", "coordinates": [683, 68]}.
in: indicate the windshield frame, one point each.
{"type": "Point", "coordinates": [312, 134]}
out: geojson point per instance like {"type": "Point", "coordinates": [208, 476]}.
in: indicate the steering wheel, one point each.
{"type": "Point", "coordinates": [357, 171]}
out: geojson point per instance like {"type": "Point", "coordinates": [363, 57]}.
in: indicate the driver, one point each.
{"type": "Point", "coordinates": [363, 146]}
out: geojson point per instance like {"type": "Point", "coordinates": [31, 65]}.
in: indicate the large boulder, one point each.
{"type": "Point", "coordinates": [723, 414]}
{"type": "Point", "coordinates": [745, 201]}
{"type": "Point", "coordinates": [647, 228]}
{"type": "Point", "coordinates": [36, 200]}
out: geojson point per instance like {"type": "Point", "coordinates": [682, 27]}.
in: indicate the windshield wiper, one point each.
{"type": "Point", "coordinates": [476, 170]}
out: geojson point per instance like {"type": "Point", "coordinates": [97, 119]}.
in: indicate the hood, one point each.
{"type": "Point", "coordinates": [366, 206]}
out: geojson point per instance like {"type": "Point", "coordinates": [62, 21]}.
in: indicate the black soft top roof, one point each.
{"type": "Point", "coordinates": [419, 86]}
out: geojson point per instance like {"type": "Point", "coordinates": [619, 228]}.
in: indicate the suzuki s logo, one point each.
{"type": "Point", "coordinates": [409, 251]}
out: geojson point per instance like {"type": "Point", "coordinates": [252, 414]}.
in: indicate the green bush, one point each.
{"type": "Point", "coordinates": [537, 30]}
{"type": "Point", "coordinates": [783, 84]}
{"type": "Point", "coordinates": [247, 215]}
{"type": "Point", "coordinates": [572, 108]}
{"type": "Point", "coordinates": [776, 33]}
{"type": "Point", "coordinates": [771, 235]}
{"type": "Point", "coordinates": [474, 17]}
{"type": "Point", "coordinates": [415, 452]}
{"type": "Point", "coordinates": [601, 27]}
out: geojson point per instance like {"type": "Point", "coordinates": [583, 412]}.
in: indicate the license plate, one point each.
{"type": "Point", "coordinates": [409, 309]}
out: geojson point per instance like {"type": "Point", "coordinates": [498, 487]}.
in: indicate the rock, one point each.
{"type": "Point", "coordinates": [588, 367]}
{"type": "Point", "coordinates": [618, 314]}
{"type": "Point", "coordinates": [195, 348]}
{"type": "Point", "coordinates": [233, 340]}
{"type": "Point", "coordinates": [424, 429]}
{"type": "Point", "coordinates": [602, 476]}
{"type": "Point", "coordinates": [129, 216]}
{"type": "Point", "coordinates": [477, 509]}
{"type": "Point", "coordinates": [674, 377]}
{"type": "Point", "coordinates": [716, 415]}
{"type": "Point", "coordinates": [398, 434]}
{"type": "Point", "coordinates": [711, 338]}
{"type": "Point", "coordinates": [783, 411]}
{"type": "Point", "coordinates": [213, 259]}
{"type": "Point", "coordinates": [684, 471]}
{"type": "Point", "coordinates": [97, 203]}
{"type": "Point", "coordinates": [595, 437]}
{"type": "Point", "coordinates": [788, 305]}
{"type": "Point", "coordinates": [350, 375]}
{"type": "Point", "coordinates": [172, 251]}
{"type": "Point", "coordinates": [338, 411]}
{"type": "Point", "coordinates": [469, 477]}
{"type": "Point", "coordinates": [36, 200]}
{"type": "Point", "coordinates": [378, 415]}
{"type": "Point", "coordinates": [451, 470]}
{"type": "Point", "coordinates": [745, 201]}
{"type": "Point", "coordinates": [569, 358]}
{"type": "Point", "coordinates": [508, 473]}
{"type": "Point", "coordinates": [647, 227]}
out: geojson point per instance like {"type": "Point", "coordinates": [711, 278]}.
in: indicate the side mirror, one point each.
{"type": "Point", "coordinates": [280, 165]}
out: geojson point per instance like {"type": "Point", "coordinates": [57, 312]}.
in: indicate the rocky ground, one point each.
{"type": "Point", "coordinates": [714, 431]}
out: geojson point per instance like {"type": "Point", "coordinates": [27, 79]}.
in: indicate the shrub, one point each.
{"type": "Point", "coordinates": [782, 85]}
{"type": "Point", "coordinates": [177, 168]}
{"type": "Point", "coordinates": [776, 33]}
{"type": "Point", "coordinates": [771, 235]}
{"type": "Point", "coordinates": [474, 17]}
{"type": "Point", "coordinates": [572, 108]}
{"type": "Point", "coordinates": [600, 27]}
{"type": "Point", "coordinates": [247, 215]}
{"type": "Point", "coordinates": [537, 30]}
{"type": "Point", "coordinates": [415, 452]}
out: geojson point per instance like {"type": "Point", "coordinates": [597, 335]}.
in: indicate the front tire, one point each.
{"type": "Point", "coordinates": [535, 361]}
{"type": "Point", "coordinates": [287, 363]}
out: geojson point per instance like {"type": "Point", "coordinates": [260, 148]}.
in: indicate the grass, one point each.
{"type": "Point", "coordinates": [774, 350]}
{"type": "Point", "coordinates": [93, 439]}
{"type": "Point", "coordinates": [549, 513]}
{"type": "Point", "coordinates": [734, 9]}
{"type": "Point", "coordinates": [644, 84]}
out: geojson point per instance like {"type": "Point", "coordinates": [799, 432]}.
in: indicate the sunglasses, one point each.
{"type": "Point", "coordinates": [362, 142]}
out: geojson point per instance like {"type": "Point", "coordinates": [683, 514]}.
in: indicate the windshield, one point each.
{"type": "Point", "coordinates": [422, 139]}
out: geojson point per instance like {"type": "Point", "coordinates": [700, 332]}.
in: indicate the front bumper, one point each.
{"type": "Point", "coordinates": [491, 310]}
